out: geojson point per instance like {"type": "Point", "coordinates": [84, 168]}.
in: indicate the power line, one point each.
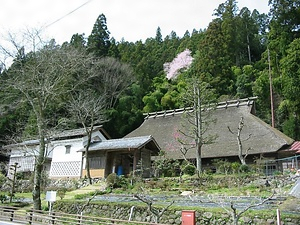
{"type": "Point", "coordinates": [68, 14]}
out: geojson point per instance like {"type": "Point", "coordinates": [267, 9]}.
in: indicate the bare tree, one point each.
{"type": "Point", "coordinates": [107, 79]}
{"type": "Point", "coordinates": [88, 109]}
{"type": "Point", "coordinates": [200, 96]}
{"type": "Point", "coordinates": [232, 208]}
{"type": "Point", "coordinates": [40, 77]}
{"type": "Point", "coordinates": [199, 118]}
{"type": "Point", "coordinates": [155, 211]}
{"type": "Point", "coordinates": [81, 208]}
{"type": "Point", "coordinates": [241, 154]}
{"type": "Point", "coordinates": [111, 78]}
{"type": "Point", "coordinates": [186, 145]}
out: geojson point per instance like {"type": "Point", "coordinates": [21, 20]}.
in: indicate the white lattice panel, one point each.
{"type": "Point", "coordinates": [25, 163]}
{"type": "Point", "coordinates": [65, 169]}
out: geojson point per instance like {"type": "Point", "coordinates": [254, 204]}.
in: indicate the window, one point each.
{"type": "Point", "coordinates": [97, 162]}
{"type": "Point", "coordinates": [68, 149]}
{"type": "Point", "coordinates": [270, 169]}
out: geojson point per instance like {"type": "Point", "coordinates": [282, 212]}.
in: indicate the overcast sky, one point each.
{"type": "Point", "coordinates": [129, 19]}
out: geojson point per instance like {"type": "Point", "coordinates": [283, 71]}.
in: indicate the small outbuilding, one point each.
{"type": "Point", "coordinates": [122, 156]}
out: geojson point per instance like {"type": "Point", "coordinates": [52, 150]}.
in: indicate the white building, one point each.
{"type": "Point", "coordinates": [66, 160]}
{"type": "Point", "coordinates": [62, 159]}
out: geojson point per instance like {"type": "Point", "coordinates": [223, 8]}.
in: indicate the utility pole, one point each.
{"type": "Point", "coordinates": [271, 91]}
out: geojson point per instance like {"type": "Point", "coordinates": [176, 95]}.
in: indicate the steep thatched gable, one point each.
{"type": "Point", "coordinates": [256, 135]}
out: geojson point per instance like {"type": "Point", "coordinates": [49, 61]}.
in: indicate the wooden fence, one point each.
{"type": "Point", "coordinates": [38, 217]}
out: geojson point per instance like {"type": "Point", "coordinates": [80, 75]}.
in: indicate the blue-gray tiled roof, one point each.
{"type": "Point", "coordinates": [123, 143]}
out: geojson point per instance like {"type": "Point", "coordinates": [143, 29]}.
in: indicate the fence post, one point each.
{"type": "Point", "coordinates": [52, 217]}
{"type": "Point", "coordinates": [278, 217]}
{"type": "Point", "coordinates": [30, 217]}
{"type": "Point", "coordinates": [79, 218]}
{"type": "Point", "coordinates": [12, 215]}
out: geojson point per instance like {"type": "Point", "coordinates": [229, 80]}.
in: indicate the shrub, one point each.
{"type": "Point", "coordinates": [165, 167]}
{"type": "Point", "coordinates": [111, 180]}
{"type": "Point", "coordinates": [189, 169]}
{"type": "Point", "coordinates": [244, 168]}
{"type": "Point", "coordinates": [3, 198]}
{"type": "Point", "coordinates": [222, 166]}
{"type": "Point", "coordinates": [61, 193]}
{"type": "Point", "coordinates": [235, 167]}
{"type": "Point", "coordinates": [114, 181]}
{"type": "Point", "coordinates": [122, 182]}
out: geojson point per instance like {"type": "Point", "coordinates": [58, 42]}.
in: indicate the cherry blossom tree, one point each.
{"type": "Point", "coordinates": [182, 61]}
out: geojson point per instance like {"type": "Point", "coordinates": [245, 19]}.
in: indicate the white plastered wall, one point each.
{"type": "Point", "coordinates": [66, 165]}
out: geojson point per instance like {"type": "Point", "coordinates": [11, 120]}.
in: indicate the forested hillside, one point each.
{"type": "Point", "coordinates": [238, 54]}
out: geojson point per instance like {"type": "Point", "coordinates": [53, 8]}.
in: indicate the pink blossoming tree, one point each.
{"type": "Point", "coordinates": [182, 61]}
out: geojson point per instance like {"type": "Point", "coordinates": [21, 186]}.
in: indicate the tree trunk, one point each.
{"type": "Point", "coordinates": [199, 158]}
{"type": "Point", "coordinates": [240, 128]}
{"type": "Point", "coordinates": [235, 216]}
{"type": "Point", "coordinates": [87, 160]}
{"type": "Point", "coordinates": [87, 166]}
{"type": "Point", "coordinates": [198, 135]}
{"type": "Point", "coordinates": [241, 157]}
{"type": "Point", "coordinates": [235, 220]}
{"type": "Point", "coordinates": [38, 167]}
{"type": "Point", "coordinates": [248, 45]}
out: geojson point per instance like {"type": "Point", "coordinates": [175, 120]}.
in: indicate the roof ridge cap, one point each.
{"type": "Point", "coordinates": [224, 104]}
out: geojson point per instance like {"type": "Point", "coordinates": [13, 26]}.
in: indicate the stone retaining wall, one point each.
{"type": "Point", "coordinates": [172, 216]}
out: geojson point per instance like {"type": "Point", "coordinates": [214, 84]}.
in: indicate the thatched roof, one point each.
{"type": "Point", "coordinates": [256, 134]}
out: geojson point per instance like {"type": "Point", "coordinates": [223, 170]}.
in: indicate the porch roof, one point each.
{"type": "Point", "coordinates": [125, 143]}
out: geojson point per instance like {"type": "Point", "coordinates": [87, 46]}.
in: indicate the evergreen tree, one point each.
{"type": "Point", "coordinates": [99, 41]}
{"type": "Point", "coordinates": [78, 41]}
{"type": "Point", "coordinates": [158, 36]}
{"type": "Point", "coordinates": [284, 24]}
{"type": "Point", "coordinates": [244, 81]}
{"type": "Point", "coordinates": [291, 78]}
{"type": "Point", "coordinates": [113, 49]}
{"type": "Point", "coordinates": [227, 12]}
{"type": "Point", "coordinates": [212, 63]}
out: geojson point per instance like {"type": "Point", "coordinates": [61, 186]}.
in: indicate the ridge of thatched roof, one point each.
{"type": "Point", "coordinates": [219, 105]}
{"type": "Point", "coordinates": [256, 135]}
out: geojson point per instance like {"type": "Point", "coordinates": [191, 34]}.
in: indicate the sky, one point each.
{"type": "Point", "coordinates": [132, 20]}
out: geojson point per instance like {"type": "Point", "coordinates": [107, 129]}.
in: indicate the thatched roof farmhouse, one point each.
{"type": "Point", "coordinates": [260, 138]}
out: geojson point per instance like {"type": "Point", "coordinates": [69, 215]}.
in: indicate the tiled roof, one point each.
{"type": "Point", "coordinates": [124, 143]}
{"type": "Point", "coordinates": [80, 132]}
{"type": "Point", "coordinates": [295, 147]}
{"type": "Point", "coordinates": [61, 135]}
